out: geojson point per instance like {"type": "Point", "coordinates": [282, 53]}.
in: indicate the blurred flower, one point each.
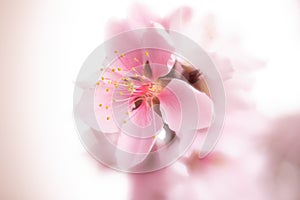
{"type": "Point", "coordinates": [281, 148]}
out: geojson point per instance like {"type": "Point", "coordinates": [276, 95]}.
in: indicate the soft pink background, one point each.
{"type": "Point", "coordinates": [44, 43]}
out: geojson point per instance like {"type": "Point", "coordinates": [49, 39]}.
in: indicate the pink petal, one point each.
{"type": "Point", "coordinates": [103, 114]}
{"type": "Point", "coordinates": [142, 122]}
{"type": "Point", "coordinates": [135, 145]}
{"type": "Point", "coordinates": [115, 26]}
{"type": "Point", "coordinates": [160, 62]}
{"type": "Point", "coordinates": [141, 17]}
{"type": "Point", "coordinates": [176, 105]}
{"type": "Point", "coordinates": [205, 109]}
{"type": "Point", "coordinates": [171, 108]}
{"type": "Point", "coordinates": [159, 36]}
{"type": "Point", "coordinates": [85, 109]}
{"type": "Point", "coordinates": [142, 116]}
{"type": "Point", "coordinates": [224, 64]}
{"type": "Point", "coordinates": [131, 59]}
{"type": "Point", "coordinates": [178, 18]}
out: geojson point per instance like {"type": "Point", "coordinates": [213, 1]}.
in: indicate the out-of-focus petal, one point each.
{"type": "Point", "coordinates": [224, 65]}
{"type": "Point", "coordinates": [85, 109]}
{"type": "Point", "coordinates": [178, 18]}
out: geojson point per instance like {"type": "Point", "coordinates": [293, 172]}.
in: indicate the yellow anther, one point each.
{"type": "Point", "coordinates": [136, 75]}
{"type": "Point", "coordinates": [127, 113]}
{"type": "Point", "coordinates": [119, 68]}
{"type": "Point", "coordinates": [116, 85]}
{"type": "Point", "coordinates": [107, 90]}
{"type": "Point", "coordinates": [122, 55]}
{"type": "Point", "coordinates": [147, 53]}
{"type": "Point", "coordinates": [101, 69]}
{"type": "Point", "coordinates": [107, 118]}
{"type": "Point", "coordinates": [98, 83]}
{"type": "Point", "coordinates": [126, 79]}
{"type": "Point", "coordinates": [124, 121]}
{"type": "Point", "coordinates": [102, 78]}
{"type": "Point", "coordinates": [100, 105]}
{"type": "Point", "coordinates": [109, 82]}
{"type": "Point", "coordinates": [133, 69]}
{"type": "Point", "coordinates": [113, 69]}
{"type": "Point", "coordinates": [143, 77]}
{"type": "Point", "coordinates": [121, 93]}
{"type": "Point", "coordinates": [116, 51]}
{"type": "Point", "coordinates": [106, 107]}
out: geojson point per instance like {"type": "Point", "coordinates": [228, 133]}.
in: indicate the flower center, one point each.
{"type": "Point", "coordinates": [147, 93]}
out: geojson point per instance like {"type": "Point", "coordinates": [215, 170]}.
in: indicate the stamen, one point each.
{"type": "Point", "coordinates": [100, 105]}
{"type": "Point", "coordinates": [102, 78]}
{"type": "Point", "coordinates": [116, 51]}
{"type": "Point", "coordinates": [119, 69]}
{"type": "Point", "coordinates": [122, 55]}
{"type": "Point", "coordinates": [113, 70]}
{"type": "Point", "coordinates": [106, 107]}
{"type": "Point", "coordinates": [108, 118]}
{"type": "Point", "coordinates": [147, 53]}
{"type": "Point", "coordinates": [107, 90]}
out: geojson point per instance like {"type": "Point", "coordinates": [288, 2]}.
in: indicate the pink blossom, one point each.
{"type": "Point", "coordinates": [141, 85]}
{"type": "Point", "coordinates": [143, 92]}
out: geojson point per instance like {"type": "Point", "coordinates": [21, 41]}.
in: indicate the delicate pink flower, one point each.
{"type": "Point", "coordinates": [139, 94]}
{"type": "Point", "coordinates": [147, 94]}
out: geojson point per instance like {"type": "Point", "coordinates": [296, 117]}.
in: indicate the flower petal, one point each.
{"type": "Point", "coordinates": [103, 98]}
{"type": "Point", "coordinates": [85, 109]}
{"type": "Point", "coordinates": [135, 145]}
{"type": "Point", "coordinates": [177, 107]}
{"type": "Point", "coordinates": [160, 61]}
